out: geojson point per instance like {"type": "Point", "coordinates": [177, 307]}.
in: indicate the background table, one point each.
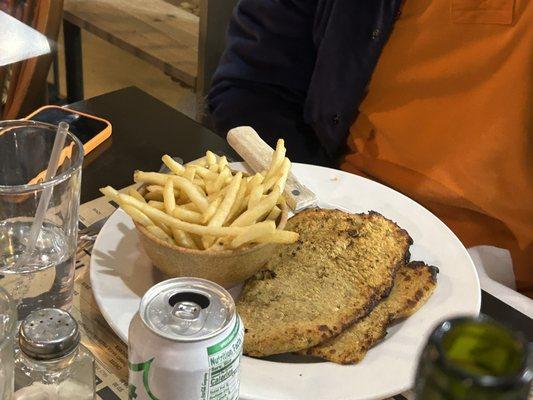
{"type": "Point", "coordinates": [144, 129]}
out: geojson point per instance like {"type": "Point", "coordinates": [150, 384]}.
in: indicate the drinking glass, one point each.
{"type": "Point", "coordinates": [7, 331]}
{"type": "Point", "coordinates": [44, 278]}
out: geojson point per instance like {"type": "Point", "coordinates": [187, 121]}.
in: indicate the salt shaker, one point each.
{"type": "Point", "coordinates": [51, 363]}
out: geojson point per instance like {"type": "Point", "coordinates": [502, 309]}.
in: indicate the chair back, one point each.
{"type": "Point", "coordinates": [23, 84]}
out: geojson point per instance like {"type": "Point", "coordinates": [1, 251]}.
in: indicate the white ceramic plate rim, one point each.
{"type": "Point", "coordinates": [388, 369]}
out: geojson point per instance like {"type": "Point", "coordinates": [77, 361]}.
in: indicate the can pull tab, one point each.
{"type": "Point", "coordinates": [188, 318]}
{"type": "Point", "coordinates": [186, 310]}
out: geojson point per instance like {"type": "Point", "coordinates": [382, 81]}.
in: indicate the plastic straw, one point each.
{"type": "Point", "coordinates": [53, 165]}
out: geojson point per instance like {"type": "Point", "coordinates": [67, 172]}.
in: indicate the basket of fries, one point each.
{"type": "Point", "coordinates": [208, 221]}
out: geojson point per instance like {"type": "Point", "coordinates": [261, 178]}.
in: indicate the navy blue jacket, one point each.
{"type": "Point", "coordinates": [298, 69]}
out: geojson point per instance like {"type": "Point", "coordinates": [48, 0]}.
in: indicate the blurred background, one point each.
{"type": "Point", "coordinates": [168, 48]}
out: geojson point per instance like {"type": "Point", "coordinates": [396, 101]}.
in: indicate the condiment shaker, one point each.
{"type": "Point", "coordinates": [51, 363]}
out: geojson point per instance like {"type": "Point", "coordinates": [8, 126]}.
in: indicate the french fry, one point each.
{"type": "Point", "coordinates": [204, 205]}
{"type": "Point", "coordinates": [222, 163]}
{"type": "Point", "coordinates": [137, 215]}
{"type": "Point", "coordinates": [204, 172]}
{"type": "Point", "coordinates": [111, 194]}
{"type": "Point", "coordinates": [187, 215]}
{"type": "Point", "coordinates": [136, 194]}
{"type": "Point", "coordinates": [278, 236]}
{"type": "Point", "coordinates": [211, 158]}
{"type": "Point", "coordinates": [154, 188]}
{"type": "Point", "coordinates": [217, 246]}
{"type": "Point", "coordinates": [160, 216]}
{"type": "Point", "coordinates": [189, 206]}
{"type": "Point", "coordinates": [159, 233]}
{"type": "Point", "coordinates": [280, 178]}
{"type": "Point", "coordinates": [197, 239]}
{"type": "Point", "coordinates": [157, 204]}
{"type": "Point", "coordinates": [211, 210]}
{"type": "Point", "coordinates": [173, 165]}
{"type": "Point", "coordinates": [159, 189]}
{"type": "Point", "coordinates": [158, 196]}
{"type": "Point", "coordinates": [220, 193]}
{"type": "Point", "coordinates": [255, 181]}
{"type": "Point", "coordinates": [239, 198]}
{"type": "Point", "coordinates": [255, 196]}
{"type": "Point", "coordinates": [183, 239]}
{"type": "Point", "coordinates": [189, 173]}
{"type": "Point", "coordinates": [183, 199]}
{"type": "Point", "coordinates": [202, 162]}
{"type": "Point", "coordinates": [225, 173]}
{"type": "Point", "coordinates": [264, 206]}
{"type": "Point", "coordinates": [164, 228]}
{"type": "Point", "coordinates": [254, 232]}
{"type": "Point", "coordinates": [224, 208]}
{"type": "Point", "coordinates": [274, 214]}
{"type": "Point", "coordinates": [192, 191]}
{"type": "Point", "coordinates": [168, 197]}
{"type": "Point", "coordinates": [285, 168]}
{"type": "Point", "coordinates": [277, 159]}
{"type": "Point", "coordinates": [200, 183]}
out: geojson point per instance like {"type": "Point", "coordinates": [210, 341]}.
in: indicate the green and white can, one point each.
{"type": "Point", "coordinates": [185, 343]}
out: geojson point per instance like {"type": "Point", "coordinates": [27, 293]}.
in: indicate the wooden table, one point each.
{"type": "Point", "coordinates": [144, 129]}
{"type": "Point", "coordinates": [185, 47]}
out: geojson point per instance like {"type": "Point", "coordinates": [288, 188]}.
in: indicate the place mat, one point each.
{"type": "Point", "coordinates": [110, 352]}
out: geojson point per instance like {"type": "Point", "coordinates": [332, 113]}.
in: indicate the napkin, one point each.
{"type": "Point", "coordinates": [495, 269]}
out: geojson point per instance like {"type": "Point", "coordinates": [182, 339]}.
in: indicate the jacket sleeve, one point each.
{"type": "Point", "coordinates": [264, 73]}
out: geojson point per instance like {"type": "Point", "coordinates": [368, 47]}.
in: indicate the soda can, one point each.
{"type": "Point", "coordinates": [185, 342]}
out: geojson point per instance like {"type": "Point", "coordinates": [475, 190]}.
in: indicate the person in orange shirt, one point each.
{"type": "Point", "coordinates": [441, 102]}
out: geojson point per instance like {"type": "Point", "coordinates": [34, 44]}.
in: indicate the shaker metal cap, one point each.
{"type": "Point", "coordinates": [48, 333]}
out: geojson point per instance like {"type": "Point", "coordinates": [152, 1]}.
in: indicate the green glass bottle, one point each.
{"type": "Point", "coordinates": [473, 359]}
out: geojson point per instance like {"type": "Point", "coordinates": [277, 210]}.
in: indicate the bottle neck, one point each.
{"type": "Point", "coordinates": [470, 359]}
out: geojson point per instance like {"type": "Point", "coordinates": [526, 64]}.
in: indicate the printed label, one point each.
{"type": "Point", "coordinates": [218, 380]}
{"type": "Point", "coordinates": [133, 390]}
{"type": "Point", "coordinates": [222, 380]}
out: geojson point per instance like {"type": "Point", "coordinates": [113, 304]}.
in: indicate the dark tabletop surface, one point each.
{"type": "Point", "coordinates": [144, 129]}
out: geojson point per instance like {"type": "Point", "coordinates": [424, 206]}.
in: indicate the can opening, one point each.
{"type": "Point", "coordinates": [198, 298]}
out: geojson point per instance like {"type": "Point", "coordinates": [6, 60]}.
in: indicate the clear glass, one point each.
{"type": "Point", "coordinates": [46, 279]}
{"type": "Point", "coordinates": [474, 359]}
{"type": "Point", "coordinates": [66, 378]}
{"type": "Point", "coordinates": [7, 332]}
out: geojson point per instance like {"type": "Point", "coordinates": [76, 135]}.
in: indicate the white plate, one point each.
{"type": "Point", "coordinates": [121, 273]}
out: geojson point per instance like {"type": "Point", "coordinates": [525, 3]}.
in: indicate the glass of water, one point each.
{"type": "Point", "coordinates": [7, 332]}
{"type": "Point", "coordinates": [44, 278]}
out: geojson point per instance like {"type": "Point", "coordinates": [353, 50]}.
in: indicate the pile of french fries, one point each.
{"type": "Point", "coordinates": [205, 205]}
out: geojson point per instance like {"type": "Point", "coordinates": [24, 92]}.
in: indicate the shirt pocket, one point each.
{"type": "Point", "coordinates": [482, 11]}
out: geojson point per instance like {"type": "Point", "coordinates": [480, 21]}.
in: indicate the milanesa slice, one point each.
{"type": "Point", "coordinates": [339, 269]}
{"type": "Point", "coordinates": [413, 285]}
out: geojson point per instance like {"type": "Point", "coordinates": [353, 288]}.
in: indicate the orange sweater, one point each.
{"type": "Point", "coordinates": [448, 120]}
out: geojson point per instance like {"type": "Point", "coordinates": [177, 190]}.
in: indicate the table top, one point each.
{"type": "Point", "coordinates": [144, 129]}
{"type": "Point", "coordinates": [160, 33]}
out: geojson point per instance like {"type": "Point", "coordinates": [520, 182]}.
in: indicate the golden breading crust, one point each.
{"type": "Point", "coordinates": [340, 268]}
{"type": "Point", "coordinates": [413, 285]}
